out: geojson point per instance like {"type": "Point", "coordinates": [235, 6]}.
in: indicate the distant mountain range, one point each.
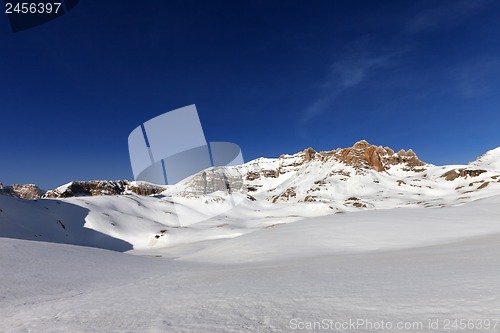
{"type": "Point", "coordinates": [229, 202]}
{"type": "Point", "coordinates": [310, 176]}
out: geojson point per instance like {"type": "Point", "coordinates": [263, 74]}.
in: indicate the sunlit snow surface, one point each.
{"type": "Point", "coordinates": [407, 264]}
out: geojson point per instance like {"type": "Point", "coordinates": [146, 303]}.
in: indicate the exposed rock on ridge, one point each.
{"type": "Point", "coordinates": [26, 191]}
{"type": "Point", "coordinates": [364, 155]}
{"type": "Point", "coordinates": [213, 180]}
{"type": "Point", "coordinates": [103, 187]}
{"type": "Point", "coordinates": [82, 188]}
{"type": "Point", "coordinates": [464, 173]}
{"type": "Point", "coordinates": [308, 176]}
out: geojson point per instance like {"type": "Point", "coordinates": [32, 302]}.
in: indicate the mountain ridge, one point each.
{"type": "Point", "coordinates": [229, 202]}
{"type": "Point", "coordinates": [360, 159]}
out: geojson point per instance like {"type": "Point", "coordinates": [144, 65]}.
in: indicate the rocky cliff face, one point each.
{"type": "Point", "coordinates": [104, 187]}
{"type": "Point", "coordinates": [26, 191]}
{"type": "Point", "coordinates": [218, 179]}
{"type": "Point", "coordinates": [82, 188]}
{"type": "Point", "coordinates": [367, 156]}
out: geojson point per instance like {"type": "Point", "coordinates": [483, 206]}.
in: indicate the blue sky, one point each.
{"type": "Point", "coordinates": [272, 76]}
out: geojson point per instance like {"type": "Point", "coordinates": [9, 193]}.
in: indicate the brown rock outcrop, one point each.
{"type": "Point", "coordinates": [145, 189]}
{"type": "Point", "coordinates": [285, 196]}
{"type": "Point", "coordinates": [365, 155]}
{"type": "Point", "coordinates": [309, 154]}
{"type": "Point", "coordinates": [25, 191]}
{"type": "Point", "coordinates": [483, 185]}
{"type": "Point", "coordinates": [103, 187]}
{"type": "Point", "coordinates": [464, 173]}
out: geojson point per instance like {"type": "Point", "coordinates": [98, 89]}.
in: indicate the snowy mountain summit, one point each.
{"type": "Point", "coordinates": [490, 160]}
{"type": "Point", "coordinates": [366, 176]}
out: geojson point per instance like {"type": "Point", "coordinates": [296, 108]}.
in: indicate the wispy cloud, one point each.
{"type": "Point", "coordinates": [444, 15]}
{"type": "Point", "coordinates": [345, 73]}
{"type": "Point", "coordinates": [353, 69]}
{"type": "Point", "coordinates": [362, 62]}
{"type": "Point", "coordinates": [476, 78]}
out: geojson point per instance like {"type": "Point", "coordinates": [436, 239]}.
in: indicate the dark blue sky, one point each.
{"type": "Point", "coordinates": [272, 76]}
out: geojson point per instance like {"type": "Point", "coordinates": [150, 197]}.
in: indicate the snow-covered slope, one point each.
{"type": "Point", "coordinates": [366, 231]}
{"type": "Point", "coordinates": [408, 266]}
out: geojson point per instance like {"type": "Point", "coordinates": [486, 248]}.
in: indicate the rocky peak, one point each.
{"type": "Point", "coordinates": [309, 154]}
{"type": "Point", "coordinates": [362, 144]}
{"type": "Point", "coordinates": [25, 191]}
{"type": "Point", "coordinates": [364, 155]}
